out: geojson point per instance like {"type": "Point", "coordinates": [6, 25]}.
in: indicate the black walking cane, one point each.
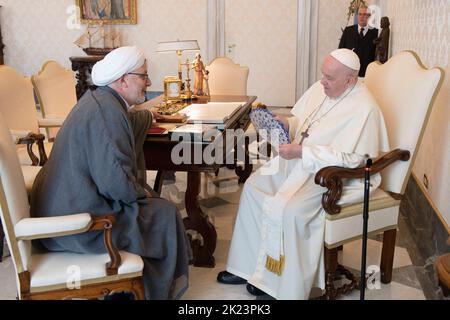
{"type": "Point", "coordinates": [365, 227]}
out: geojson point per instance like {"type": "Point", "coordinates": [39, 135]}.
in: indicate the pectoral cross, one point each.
{"type": "Point", "coordinates": [304, 135]}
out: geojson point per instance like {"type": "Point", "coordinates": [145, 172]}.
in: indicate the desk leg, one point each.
{"type": "Point", "coordinates": [198, 221]}
{"type": "Point", "coordinates": [244, 172]}
{"type": "Point", "coordinates": [157, 187]}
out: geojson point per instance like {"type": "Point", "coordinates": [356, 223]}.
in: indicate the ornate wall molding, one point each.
{"type": "Point", "coordinates": [307, 44]}
{"type": "Point", "coordinates": [215, 29]}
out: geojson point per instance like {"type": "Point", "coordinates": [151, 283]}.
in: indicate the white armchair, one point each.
{"type": "Point", "coordinates": [405, 92]}
{"type": "Point", "coordinates": [18, 108]}
{"type": "Point", "coordinates": [58, 275]}
{"type": "Point", "coordinates": [227, 78]}
{"type": "Point", "coordinates": [56, 93]}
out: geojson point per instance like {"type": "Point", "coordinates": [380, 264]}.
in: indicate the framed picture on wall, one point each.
{"type": "Point", "coordinates": [107, 11]}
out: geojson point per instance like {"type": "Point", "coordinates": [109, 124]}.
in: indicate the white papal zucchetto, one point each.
{"type": "Point", "coordinates": [347, 57]}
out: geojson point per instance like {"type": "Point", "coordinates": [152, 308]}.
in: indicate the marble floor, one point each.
{"type": "Point", "coordinates": [219, 199]}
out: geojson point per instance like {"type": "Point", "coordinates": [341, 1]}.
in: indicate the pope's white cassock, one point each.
{"type": "Point", "coordinates": [280, 215]}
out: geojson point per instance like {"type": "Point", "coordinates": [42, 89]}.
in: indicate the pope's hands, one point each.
{"type": "Point", "coordinates": [290, 151]}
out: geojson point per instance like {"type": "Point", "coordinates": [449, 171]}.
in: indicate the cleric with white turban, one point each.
{"type": "Point", "coordinates": [278, 239]}
{"type": "Point", "coordinates": [116, 64]}
{"type": "Point", "coordinates": [97, 165]}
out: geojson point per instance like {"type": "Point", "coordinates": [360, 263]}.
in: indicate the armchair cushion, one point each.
{"type": "Point", "coordinates": [39, 228]}
{"type": "Point", "coordinates": [347, 225]}
{"type": "Point", "coordinates": [378, 200]}
{"type": "Point", "coordinates": [54, 270]}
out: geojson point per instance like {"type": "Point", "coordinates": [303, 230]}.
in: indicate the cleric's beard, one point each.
{"type": "Point", "coordinates": [141, 99]}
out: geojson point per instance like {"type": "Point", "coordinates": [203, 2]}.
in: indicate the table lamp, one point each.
{"type": "Point", "coordinates": [179, 46]}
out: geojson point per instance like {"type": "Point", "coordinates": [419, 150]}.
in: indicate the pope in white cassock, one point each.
{"type": "Point", "coordinates": [278, 239]}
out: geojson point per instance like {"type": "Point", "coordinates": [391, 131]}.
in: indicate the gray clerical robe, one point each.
{"type": "Point", "coordinates": [93, 168]}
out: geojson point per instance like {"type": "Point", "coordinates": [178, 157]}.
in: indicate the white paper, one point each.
{"type": "Point", "coordinates": [214, 112]}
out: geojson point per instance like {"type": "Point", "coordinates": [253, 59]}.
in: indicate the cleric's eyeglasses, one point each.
{"type": "Point", "coordinates": [143, 76]}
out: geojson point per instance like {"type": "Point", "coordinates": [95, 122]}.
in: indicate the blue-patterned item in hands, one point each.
{"type": "Point", "coordinates": [264, 119]}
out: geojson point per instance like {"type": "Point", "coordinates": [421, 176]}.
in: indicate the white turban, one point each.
{"type": "Point", "coordinates": [116, 64]}
{"type": "Point", "coordinates": [347, 57]}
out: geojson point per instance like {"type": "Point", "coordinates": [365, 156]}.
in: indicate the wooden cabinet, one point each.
{"type": "Point", "coordinates": [83, 67]}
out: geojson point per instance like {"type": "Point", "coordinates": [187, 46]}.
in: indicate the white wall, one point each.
{"type": "Point", "coordinates": [36, 30]}
{"type": "Point", "coordinates": [264, 33]}
{"type": "Point", "coordinates": [332, 16]}
{"type": "Point", "coordinates": [424, 27]}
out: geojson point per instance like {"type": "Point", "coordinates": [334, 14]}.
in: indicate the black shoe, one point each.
{"type": "Point", "coordinates": [254, 290]}
{"type": "Point", "coordinates": [229, 278]}
{"type": "Point", "coordinates": [120, 296]}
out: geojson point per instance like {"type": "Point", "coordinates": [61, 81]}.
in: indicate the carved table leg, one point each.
{"type": "Point", "coordinates": [331, 265]}
{"type": "Point", "coordinates": [157, 187]}
{"type": "Point", "coordinates": [198, 221]}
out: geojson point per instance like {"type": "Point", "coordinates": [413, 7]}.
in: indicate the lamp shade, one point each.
{"type": "Point", "coordinates": [179, 45]}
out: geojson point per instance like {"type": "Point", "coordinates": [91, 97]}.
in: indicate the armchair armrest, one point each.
{"type": "Point", "coordinates": [18, 134]}
{"type": "Point", "coordinates": [39, 139]}
{"type": "Point", "coordinates": [331, 178]}
{"type": "Point", "coordinates": [51, 121]}
{"type": "Point", "coordinates": [40, 228]}
{"type": "Point", "coordinates": [106, 223]}
{"type": "Point", "coordinates": [29, 138]}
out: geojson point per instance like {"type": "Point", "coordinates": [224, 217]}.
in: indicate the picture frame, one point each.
{"type": "Point", "coordinates": [172, 89]}
{"type": "Point", "coordinates": [107, 11]}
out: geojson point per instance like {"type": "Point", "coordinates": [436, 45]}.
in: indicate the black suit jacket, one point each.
{"type": "Point", "coordinates": [363, 47]}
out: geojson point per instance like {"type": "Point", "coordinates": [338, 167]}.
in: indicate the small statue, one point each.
{"type": "Point", "coordinates": [207, 92]}
{"type": "Point", "coordinates": [200, 74]}
{"type": "Point", "coordinates": [382, 42]}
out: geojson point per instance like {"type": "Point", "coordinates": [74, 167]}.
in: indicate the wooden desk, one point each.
{"type": "Point", "coordinates": [158, 157]}
{"type": "Point", "coordinates": [83, 67]}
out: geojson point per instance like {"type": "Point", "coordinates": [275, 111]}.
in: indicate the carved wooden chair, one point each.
{"type": "Point", "coordinates": [55, 89]}
{"type": "Point", "coordinates": [405, 91]}
{"type": "Point", "coordinates": [58, 275]}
